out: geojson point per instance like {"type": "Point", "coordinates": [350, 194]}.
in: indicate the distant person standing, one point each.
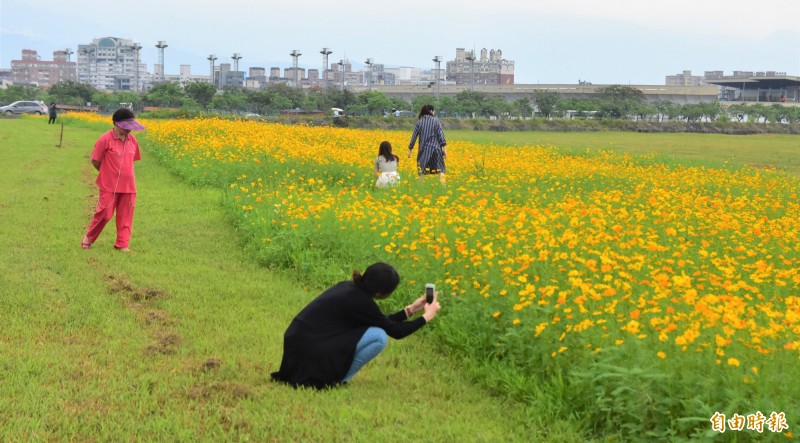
{"type": "Point", "coordinates": [53, 111]}
{"type": "Point", "coordinates": [432, 143]}
{"type": "Point", "coordinates": [113, 157]}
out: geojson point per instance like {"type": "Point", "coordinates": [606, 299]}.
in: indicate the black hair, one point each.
{"type": "Point", "coordinates": [425, 110]}
{"type": "Point", "coordinates": [386, 151]}
{"type": "Point", "coordinates": [122, 114]}
{"type": "Point", "coordinates": [379, 279]}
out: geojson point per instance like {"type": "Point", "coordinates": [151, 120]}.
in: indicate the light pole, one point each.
{"type": "Point", "coordinates": [438, 61]}
{"type": "Point", "coordinates": [295, 55]}
{"type": "Point", "coordinates": [68, 53]}
{"type": "Point", "coordinates": [236, 57]}
{"type": "Point", "coordinates": [86, 52]}
{"type": "Point", "coordinates": [211, 59]}
{"type": "Point", "coordinates": [341, 65]}
{"type": "Point", "coordinates": [325, 53]}
{"type": "Point", "coordinates": [471, 60]}
{"type": "Point", "coordinates": [161, 45]}
{"type": "Point", "coordinates": [136, 48]}
{"type": "Point", "coordinates": [369, 62]}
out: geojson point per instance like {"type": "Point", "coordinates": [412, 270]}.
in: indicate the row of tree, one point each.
{"type": "Point", "coordinates": [612, 102]}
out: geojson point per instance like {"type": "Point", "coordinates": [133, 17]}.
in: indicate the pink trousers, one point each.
{"type": "Point", "coordinates": [107, 204]}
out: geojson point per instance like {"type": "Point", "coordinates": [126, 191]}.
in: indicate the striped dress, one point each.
{"type": "Point", "coordinates": [430, 157]}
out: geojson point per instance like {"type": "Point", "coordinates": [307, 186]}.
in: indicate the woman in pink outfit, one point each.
{"type": "Point", "coordinates": [113, 157]}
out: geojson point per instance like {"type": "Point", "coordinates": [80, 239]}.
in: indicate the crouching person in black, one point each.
{"type": "Point", "coordinates": [343, 329]}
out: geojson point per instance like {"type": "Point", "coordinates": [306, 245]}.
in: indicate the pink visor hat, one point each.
{"type": "Point", "coordinates": [130, 125]}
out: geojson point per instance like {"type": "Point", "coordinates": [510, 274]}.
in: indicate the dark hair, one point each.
{"type": "Point", "coordinates": [122, 114]}
{"type": "Point", "coordinates": [386, 151]}
{"type": "Point", "coordinates": [380, 279]}
{"type": "Point", "coordinates": [425, 110]}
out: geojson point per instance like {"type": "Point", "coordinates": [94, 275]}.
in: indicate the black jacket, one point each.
{"type": "Point", "coordinates": [320, 343]}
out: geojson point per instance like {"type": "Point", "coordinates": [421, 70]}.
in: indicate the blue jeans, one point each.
{"type": "Point", "coordinates": [371, 344]}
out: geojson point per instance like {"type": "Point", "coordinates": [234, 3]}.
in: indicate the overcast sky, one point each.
{"type": "Point", "coordinates": [555, 41]}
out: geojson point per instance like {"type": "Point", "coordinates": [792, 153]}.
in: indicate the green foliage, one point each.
{"type": "Point", "coordinates": [72, 93]}
{"type": "Point", "coordinates": [200, 92]}
{"type": "Point", "coordinates": [617, 101]}
{"type": "Point", "coordinates": [546, 101]}
{"type": "Point", "coordinates": [167, 95]}
{"type": "Point", "coordinates": [20, 92]}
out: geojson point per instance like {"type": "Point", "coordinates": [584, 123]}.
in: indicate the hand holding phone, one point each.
{"type": "Point", "coordinates": [430, 290]}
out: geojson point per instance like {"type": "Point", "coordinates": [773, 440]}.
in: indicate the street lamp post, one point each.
{"type": "Point", "coordinates": [161, 46]}
{"type": "Point", "coordinates": [295, 55]}
{"type": "Point", "coordinates": [211, 59]}
{"type": "Point", "coordinates": [369, 62]}
{"type": "Point", "coordinates": [471, 60]}
{"type": "Point", "coordinates": [438, 61]}
{"type": "Point", "coordinates": [136, 48]}
{"type": "Point", "coordinates": [325, 53]}
{"type": "Point", "coordinates": [341, 66]}
{"type": "Point", "coordinates": [86, 52]}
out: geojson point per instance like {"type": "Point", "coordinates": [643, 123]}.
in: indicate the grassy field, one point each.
{"type": "Point", "coordinates": [769, 151]}
{"type": "Point", "coordinates": [175, 342]}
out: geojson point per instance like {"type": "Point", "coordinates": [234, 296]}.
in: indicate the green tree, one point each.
{"type": "Point", "coordinates": [201, 92]}
{"type": "Point", "coordinates": [373, 102]}
{"type": "Point", "coordinates": [233, 99]}
{"type": "Point", "coordinates": [545, 101]}
{"type": "Point", "coordinates": [471, 102]}
{"type": "Point", "coordinates": [617, 101]}
{"type": "Point", "coordinates": [317, 100]}
{"type": "Point", "coordinates": [418, 101]}
{"type": "Point", "coordinates": [448, 107]}
{"type": "Point", "coordinates": [168, 94]}
{"type": "Point", "coordinates": [72, 93]}
{"type": "Point", "coordinates": [670, 110]}
{"type": "Point", "coordinates": [496, 107]}
{"type": "Point", "coordinates": [692, 112]}
{"type": "Point", "coordinates": [21, 92]}
{"type": "Point", "coordinates": [522, 108]}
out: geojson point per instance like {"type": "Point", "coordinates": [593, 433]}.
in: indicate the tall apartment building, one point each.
{"type": "Point", "coordinates": [111, 63]}
{"type": "Point", "coordinates": [488, 69]}
{"type": "Point", "coordinates": [32, 70]}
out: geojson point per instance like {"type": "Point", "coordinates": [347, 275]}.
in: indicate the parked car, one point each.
{"type": "Point", "coordinates": [25, 107]}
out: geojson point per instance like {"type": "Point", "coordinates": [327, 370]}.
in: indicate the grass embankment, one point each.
{"type": "Point", "coordinates": [175, 341]}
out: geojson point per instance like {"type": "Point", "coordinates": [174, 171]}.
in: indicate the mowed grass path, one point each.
{"type": "Point", "coordinates": [175, 341]}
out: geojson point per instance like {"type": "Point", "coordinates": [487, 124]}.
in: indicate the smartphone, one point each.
{"type": "Point", "coordinates": [430, 289]}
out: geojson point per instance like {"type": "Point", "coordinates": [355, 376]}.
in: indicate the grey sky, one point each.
{"type": "Point", "coordinates": [610, 41]}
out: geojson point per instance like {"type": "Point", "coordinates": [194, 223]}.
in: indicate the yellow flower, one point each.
{"type": "Point", "coordinates": [733, 362]}
{"type": "Point", "coordinates": [661, 354]}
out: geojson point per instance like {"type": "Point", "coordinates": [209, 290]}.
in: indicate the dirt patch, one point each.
{"type": "Point", "coordinates": [158, 322]}
{"type": "Point", "coordinates": [166, 344]}
{"type": "Point", "coordinates": [211, 364]}
{"type": "Point", "coordinates": [156, 317]}
{"type": "Point", "coordinates": [118, 284]}
{"type": "Point", "coordinates": [224, 389]}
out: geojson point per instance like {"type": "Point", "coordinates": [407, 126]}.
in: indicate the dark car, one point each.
{"type": "Point", "coordinates": [25, 107]}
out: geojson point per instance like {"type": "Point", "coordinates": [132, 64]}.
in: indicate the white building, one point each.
{"type": "Point", "coordinates": [111, 64]}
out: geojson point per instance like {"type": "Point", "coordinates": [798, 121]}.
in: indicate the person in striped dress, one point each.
{"type": "Point", "coordinates": [432, 144]}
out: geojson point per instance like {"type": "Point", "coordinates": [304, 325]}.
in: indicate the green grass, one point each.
{"type": "Point", "coordinates": [175, 341]}
{"type": "Point", "coordinates": [770, 151]}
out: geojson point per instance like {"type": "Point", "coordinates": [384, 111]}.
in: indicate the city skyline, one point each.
{"type": "Point", "coordinates": [620, 42]}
